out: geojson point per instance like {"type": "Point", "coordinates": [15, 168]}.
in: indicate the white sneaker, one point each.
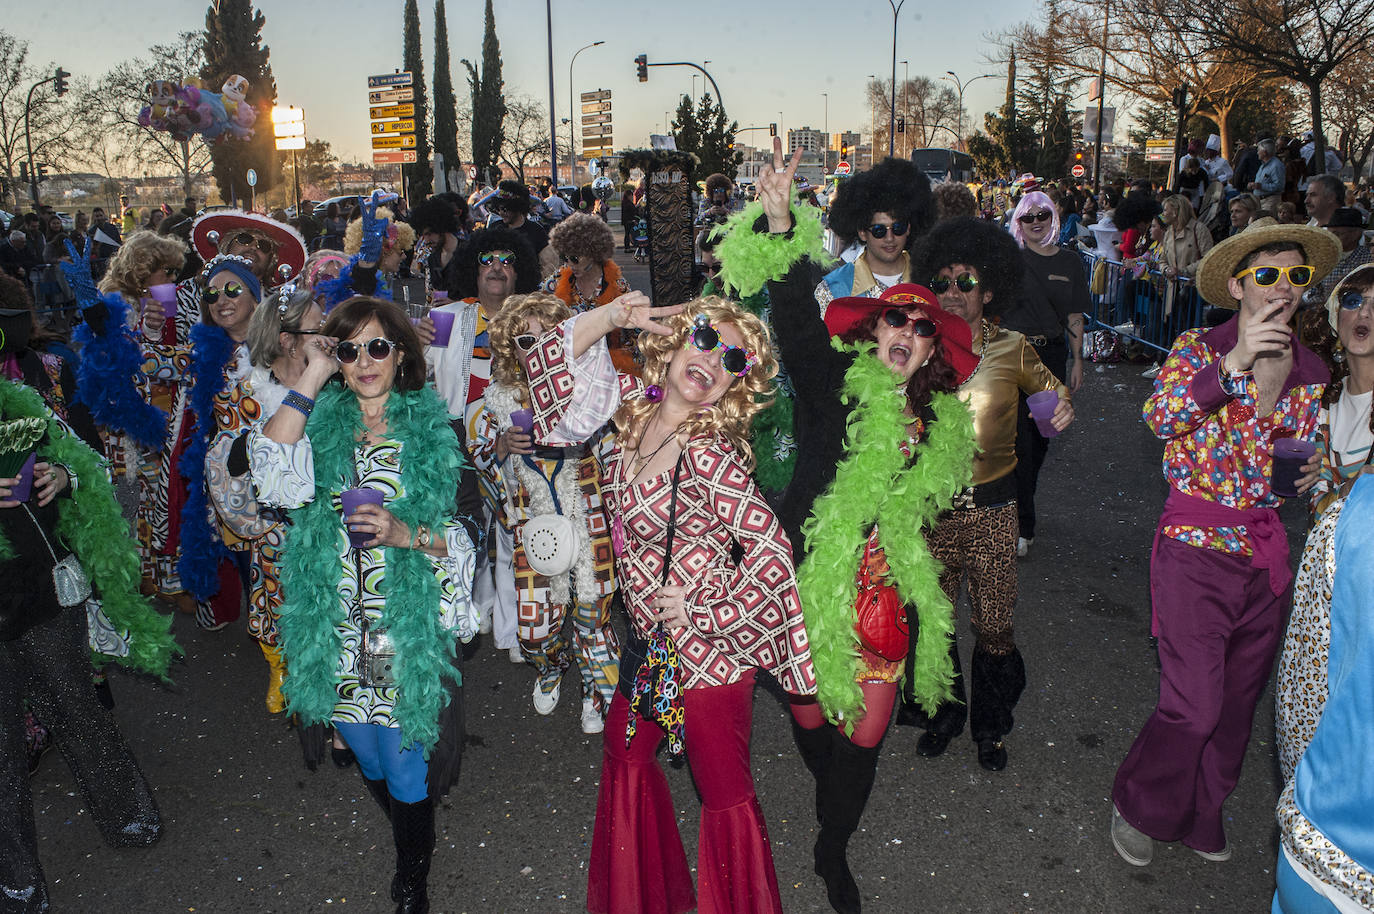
{"type": "Point", "coordinates": [516, 655]}
{"type": "Point", "coordinates": [1023, 546]}
{"type": "Point", "coordinates": [1151, 372]}
{"type": "Point", "coordinates": [484, 625]}
{"type": "Point", "coordinates": [545, 702]}
{"type": "Point", "coordinates": [592, 721]}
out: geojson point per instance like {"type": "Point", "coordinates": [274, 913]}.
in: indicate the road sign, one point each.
{"type": "Point", "coordinates": [472, 172]}
{"type": "Point", "coordinates": [598, 95]}
{"type": "Point", "coordinates": [393, 127]}
{"type": "Point", "coordinates": [1078, 171]}
{"type": "Point", "coordinates": [399, 157]}
{"type": "Point", "coordinates": [596, 119]}
{"type": "Point", "coordinates": [290, 142]}
{"type": "Point", "coordinates": [252, 178]}
{"type": "Point", "coordinates": [389, 79]}
{"type": "Point", "coordinates": [389, 111]}
{"type": "Point", "coordinates": [596, 107]}
{"type": "Point", "coordinates": [597, 130]}
{"type": "Point", "coordinates": [391, 96]}
{"type": "Point", "coordinates": [402, 141]}
{"type": "Point", "coordinates": [1159, 150]}
{"type": "Point", "coordinates": [842, 168]}
{"type": "Point", "coordinates": [594, 151]}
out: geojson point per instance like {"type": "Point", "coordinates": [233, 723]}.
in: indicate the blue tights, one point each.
{"type": "Point", "coordinates": [382, 757]}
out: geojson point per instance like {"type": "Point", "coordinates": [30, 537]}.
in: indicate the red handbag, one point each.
{"type": "Point", "coordinates": [880, 614]}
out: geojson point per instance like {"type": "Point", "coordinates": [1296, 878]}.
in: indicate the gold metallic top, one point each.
{"type": "Point", "coordinates": [1009, 365]}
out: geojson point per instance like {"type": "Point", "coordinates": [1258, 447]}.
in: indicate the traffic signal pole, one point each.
{"type": "Point", "coordinates": [60, 78]}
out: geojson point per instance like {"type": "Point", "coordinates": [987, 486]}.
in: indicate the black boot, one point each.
{"type": "Point", "coordinates": [816, 748]}
{"type": "Point", "coordinates": [379, 793]}
{"type": "Point", "coordinates": [998, 680]}
{"type": "Point", "coordinates": [412, 825]}
{"type": "Point", "coordinates": [948, 720]}
{"type": "Point", "coordinates": [852, 769]}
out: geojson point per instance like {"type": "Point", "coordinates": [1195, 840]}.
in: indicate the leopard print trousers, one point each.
{"type": "Point", "coordinates": [980, 542]}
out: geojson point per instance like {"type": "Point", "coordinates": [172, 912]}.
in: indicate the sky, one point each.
{"type": "Point", "coordinates": [773, 60]}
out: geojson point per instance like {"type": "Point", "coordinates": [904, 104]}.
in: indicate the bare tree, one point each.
{"type": "Point", "coordinates": [1351, 94]}
{"type": "Point", "coordinates": [56, 124]}
{"type": "Point", "coordinates": [526, 135]}
{"type": "Point", "coordinates": [926, 107]}
{"type": "Point", "coordinates": [120, 95]}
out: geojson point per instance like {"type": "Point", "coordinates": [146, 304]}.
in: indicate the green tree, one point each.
{"type": "Point", "coordinates": [488, 104]}
{"type": "Point", "coordinates": [419, 177]}
{"type": "Point", "coordinates": [445, 108]}
{"type": "Point", "coordinates": [1008, 146]}
{"type": "Point", "coordinates": [233, 45]}
{"type": "Point", "coordinates": [686, 131]}
{"type": "Point", "coordinates": [705, 132]}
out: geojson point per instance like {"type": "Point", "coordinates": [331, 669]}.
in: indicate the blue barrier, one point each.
{"type": "Point", "coordinates": [1151, 309]}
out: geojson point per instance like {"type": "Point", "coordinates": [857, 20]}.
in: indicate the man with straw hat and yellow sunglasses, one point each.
{"type": "Point", "coordinates": [1220, 582]}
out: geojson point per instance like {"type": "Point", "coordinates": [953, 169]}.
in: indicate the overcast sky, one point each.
{"type": "Point", "coordinates": [771, 59]}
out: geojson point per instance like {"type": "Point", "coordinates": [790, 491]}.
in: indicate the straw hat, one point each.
{"type": "Point", "coordinates": [1220, 264]}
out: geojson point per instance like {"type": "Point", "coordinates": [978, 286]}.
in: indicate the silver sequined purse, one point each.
{"type": "Point", "coordinates": [68, 577]}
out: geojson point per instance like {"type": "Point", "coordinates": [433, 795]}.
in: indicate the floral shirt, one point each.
{"type": "Point", "coordinates": [1217, 446]}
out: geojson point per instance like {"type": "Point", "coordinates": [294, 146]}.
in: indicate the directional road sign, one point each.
{"type": "Point", "coordinates": [597, 130]}
{"type": "Point", "coordinates": [387, 80]}
{"type": "Point", "coordinates": [596, 107]}
{"type": "Point", "coordinates": [391, 96]}
{"type": "Point", "coordinates": [598, 150]}
{"type": "Point", "coordinates": [387, 112]}
{"type": "Point", "coordinates": [596, 118]}
{"type": "Point", "coordinates": [393, 127]}
{"type": "Point", "coordinates": [598, 95]}
{"type": "Point", "coordinates": [399, 157]}
{"type": "Point", "coordinates": [403, 141]}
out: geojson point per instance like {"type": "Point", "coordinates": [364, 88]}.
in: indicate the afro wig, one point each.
{"type": "Point", "coordinates": [497, 238]}
{"type": "Point", "coordinates": [975, 243]}
{"type": "Point", "coordinates": [1135, 209]}
{"type": "Point", "coordinates": [434, 215]}
{"type": "Point", "coordinates": [893, 186]}
{"type": "Point", "coordinates": [583, 236]}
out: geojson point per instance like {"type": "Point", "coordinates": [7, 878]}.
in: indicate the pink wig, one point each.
{"type": "Point", "coordinates": [1031, 202]}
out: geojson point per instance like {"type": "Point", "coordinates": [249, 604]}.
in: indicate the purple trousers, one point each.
{"type": "Point", "coordinates": [1220, 625]}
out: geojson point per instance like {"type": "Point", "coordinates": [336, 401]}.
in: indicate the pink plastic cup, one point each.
{"type": "Point", "coordinates": [24, 487]}
{"type": "Point", "coordinates": [1042, 407]}
{"type": "Point", "coordinates": [522, 420]}
{"type": "Point", "coordinates": [443, 327]}
{"type": "Point", "coordinates": [1289, 456]}
{"type": "Point", "coordinates": [352, 500]}
{"type": "Point", "coordinates": [165, 294]}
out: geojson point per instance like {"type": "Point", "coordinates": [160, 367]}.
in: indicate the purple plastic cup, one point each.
{"type": "Point", "coordinates": [443, 327]}
{"type": "Point", "coordinates": [1289, 456]}
{"type": "Point", "coordinates": [440, 296]}
{"type": "Point", "coordinates": [24, 487]}
{"type": "Point", "coordinates": [352, 500]}
{"type": "Point", "coordinates": [523, 420]}
{"type": "Point", "coordinates": [1042, 407]}
{"type": "Point", "coordinates": [166, 295]}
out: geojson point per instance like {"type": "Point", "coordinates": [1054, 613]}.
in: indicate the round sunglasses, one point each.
{"type": "Point", "coordinates": [733, 359]}
{"type": "Point", "coordinates": [1298, 276]}
{"type": "Point", "coordinates": [248, 240]}
{"type": "Point", "coordinates": [525, 342]}
{"type": "Point", "coordinates": [1353, 301]}
{"type": "Point", "coordinates": [964, 282]}
{"type": "Point", "coordinates": [378, 348]}
{"type": "Point", "coordinates": [878, 230]}
{"type": "Point", "coordinates": [1027, 218]}
{"type": "Point", "coordinates": [923, 327]}
{"type": "Point", "coordinates": [230, 290]}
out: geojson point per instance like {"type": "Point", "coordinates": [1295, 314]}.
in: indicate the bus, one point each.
{"type": "Point", "coordinates": [941, 164]}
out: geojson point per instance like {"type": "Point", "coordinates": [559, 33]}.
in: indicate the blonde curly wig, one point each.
{"type": "Point", "coordinates": [404, 235]}
{"type": "Point", "coordinates": [731, 415]}
{"type": "Point", "coordinates": [513, 320]}
{"type": "Point", "coordinates": [140, 256]}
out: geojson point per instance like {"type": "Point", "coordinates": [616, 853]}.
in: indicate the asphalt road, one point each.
{"type": "Point", "coordinates": [248, 829]}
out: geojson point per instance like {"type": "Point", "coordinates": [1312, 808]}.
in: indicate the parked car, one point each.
{"type": "Point", "coordinates": [308, 206]}
{"type": "Point", "coordinates": [6, 218]}
{"type": "Point", "coordinates": [353, 200]}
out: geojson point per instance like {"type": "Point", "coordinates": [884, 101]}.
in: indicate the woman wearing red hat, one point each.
{"type": "Point", "coordinates": [883, 445]}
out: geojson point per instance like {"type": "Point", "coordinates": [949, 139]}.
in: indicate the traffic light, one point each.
{"type": "Point", "coordinates": [772, 129]}
{"type": "Point", "coordinates": [1078, 156]}
{"type": "Point", "coordinates": [61, 81]}
{"type": "Point", "coordinates": [844, 151]}
{"type": "Point", "coordinates": [24, 172]}
{"type": "Point", "coordinates": [901, 125]}
{"type": "Point", "coordinates": [642, 63]}
{"type": "Point", "coordinates": [1180, 97]}
{"type": "Point", "coordinates": [42, 173]}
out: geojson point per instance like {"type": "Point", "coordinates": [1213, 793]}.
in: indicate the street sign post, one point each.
{"type": "Point", "coordinates": [407, 126]}
{"type": "Point", "coordinates": [596, 107]}
{"type": "Point", "coordinates": [597, 130]}
{"type": "Point", "coordinates": [397, 141]}
{"type": "Point", "coordinates": [1159, 150]}
{"type": "Point", "coordinates": [389, 111]}
{"type": "Point", "coordinates": [842, 168]}
{"type": "Point", "coordinates": [598, 95]}
{"type": "Point", "coordinates": [391, 96]}
{"type": "Point", "coordinates": [387, 80]}
{"type": "Point", "coordinates": [596, 119]}
{"type": "Point", "coordinates": [395, 157]}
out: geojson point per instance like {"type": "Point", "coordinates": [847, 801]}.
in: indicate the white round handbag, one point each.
{"type": "Point", "coordinates": [551, 544]}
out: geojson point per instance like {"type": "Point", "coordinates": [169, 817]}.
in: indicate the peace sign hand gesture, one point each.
{"type": "Point", "coordinates": [775, 189]}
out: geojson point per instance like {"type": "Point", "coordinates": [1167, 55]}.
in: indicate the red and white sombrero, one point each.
{"type": "Point", "coordinates": [222, 222]}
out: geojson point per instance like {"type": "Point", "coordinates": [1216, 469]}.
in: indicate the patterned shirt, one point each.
{"type": "Point", "coordinates": [1217, 446]}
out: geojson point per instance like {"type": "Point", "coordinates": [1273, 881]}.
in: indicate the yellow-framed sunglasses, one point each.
{"type": "Point", "coordinates": [1299, 276]}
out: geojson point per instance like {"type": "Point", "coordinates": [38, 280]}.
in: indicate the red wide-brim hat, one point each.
{"type": "Point", "coordinates": [290, 244]}
{"type": "Point", "coordinates": [952, 333]}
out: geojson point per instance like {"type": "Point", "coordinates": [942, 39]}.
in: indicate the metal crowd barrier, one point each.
{"type": "Point", "coordinates": [1141, 309]}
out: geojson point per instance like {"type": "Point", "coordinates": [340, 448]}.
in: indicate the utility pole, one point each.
{"type": "Point", "coordinates": [1101, 100]}
{"type": "Point", "coordinates": [892, 108]}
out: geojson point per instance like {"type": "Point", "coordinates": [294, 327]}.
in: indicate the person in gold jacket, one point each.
{"type": "Point", "coordinates": [975, 269]}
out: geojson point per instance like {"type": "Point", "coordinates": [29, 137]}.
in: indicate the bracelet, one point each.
{"type": "Point", "coordinates": [299, 402]}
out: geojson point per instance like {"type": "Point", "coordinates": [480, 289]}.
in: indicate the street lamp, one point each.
{"type": "Point", "coordinates": [872, 124]}
{"type": "Point", "coordinates": [906, 103]}
{"type": "Point", "coordinates": [826, 96]}
{"type": "Point", "coordinates": [572, 117]}
{"type": "Point", "coordinates": [951, 76]}
{"type": "Point", "coordinates": [892, 109]}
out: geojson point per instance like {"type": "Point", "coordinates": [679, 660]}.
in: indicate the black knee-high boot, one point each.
{"type": "Point", "coordinates": [998, 681]}
{"type": "Point", "coordinates": [412, 825]}
{"type": "Point", "coordinates": [817, 747]}
{"type": "Point", "coordinates": [852, 770]}
{"type": "Point", "coordinates": [379, 793]}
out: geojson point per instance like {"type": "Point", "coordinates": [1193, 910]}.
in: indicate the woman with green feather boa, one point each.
{"type": "Point", "coordinates": [883, 446]}
{"type": "Point", "coordinates": [369, 632]}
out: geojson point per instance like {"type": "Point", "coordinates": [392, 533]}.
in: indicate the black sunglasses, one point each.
{"type": "Point", "coordinates": [923, 327]}
{"type": "Point", "coordinates": [573, 259]}
{"type": "Point", "coordinates": [1027, 218]}
{"type": "Point", "coordinates": [247, 239]}
{"type": "Point", "coordinates": [878, 230]}
{"type": "Point", "coordinates": [525, 342]}
{"type": "Point", "coordinates": [378, 348]}
{"type": "Point", "coordinates": [231, 290]}
{"type": "Point", "coordinates": [733, 359]}
{"type": "Point", "coordinates": [964, 282]}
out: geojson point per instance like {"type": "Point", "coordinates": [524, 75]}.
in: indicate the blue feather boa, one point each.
{"type": "Point", "coordinates": [201, 550]}
{"type": "Point", "coordinates": [105, 375]}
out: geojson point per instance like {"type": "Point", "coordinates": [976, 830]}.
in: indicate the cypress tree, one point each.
{"type": "Point", "coordinates": [488, 104]}
{"type": "Point", "coordinates": [419, 178]}
{"type": "Point", "coordinates": [445, 108]}
{"type": "Point", "coordinates": [233, 45]}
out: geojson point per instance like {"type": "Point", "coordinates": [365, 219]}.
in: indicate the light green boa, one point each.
{"type": "Point", "coordinates": [90, 522]}
{"type": "Point", "coordinates": [873, 484]}
{"type": "Point", "coordinates": [431, 460]}
{"type": "Point", "coordinates": [750, 259]}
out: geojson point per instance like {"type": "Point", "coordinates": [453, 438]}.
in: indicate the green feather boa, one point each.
{"type": "Point", "coordinates": [873, 484]}
{"type": "Point", "coordinates": [750, 259]}
{"type": "Point", "coordinates": [431, 461]}
{"type": "Point", "coordinates": [92, 525]}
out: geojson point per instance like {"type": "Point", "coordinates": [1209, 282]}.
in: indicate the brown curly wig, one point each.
{"type": "Point", "coordinates": [583, 236]}
{"type": "Point", "coordinates": [513, 320]}
{"type": "Point", "coordinates": [729, 418]}
{"type": "Point", "coordinates": [140, 256]}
